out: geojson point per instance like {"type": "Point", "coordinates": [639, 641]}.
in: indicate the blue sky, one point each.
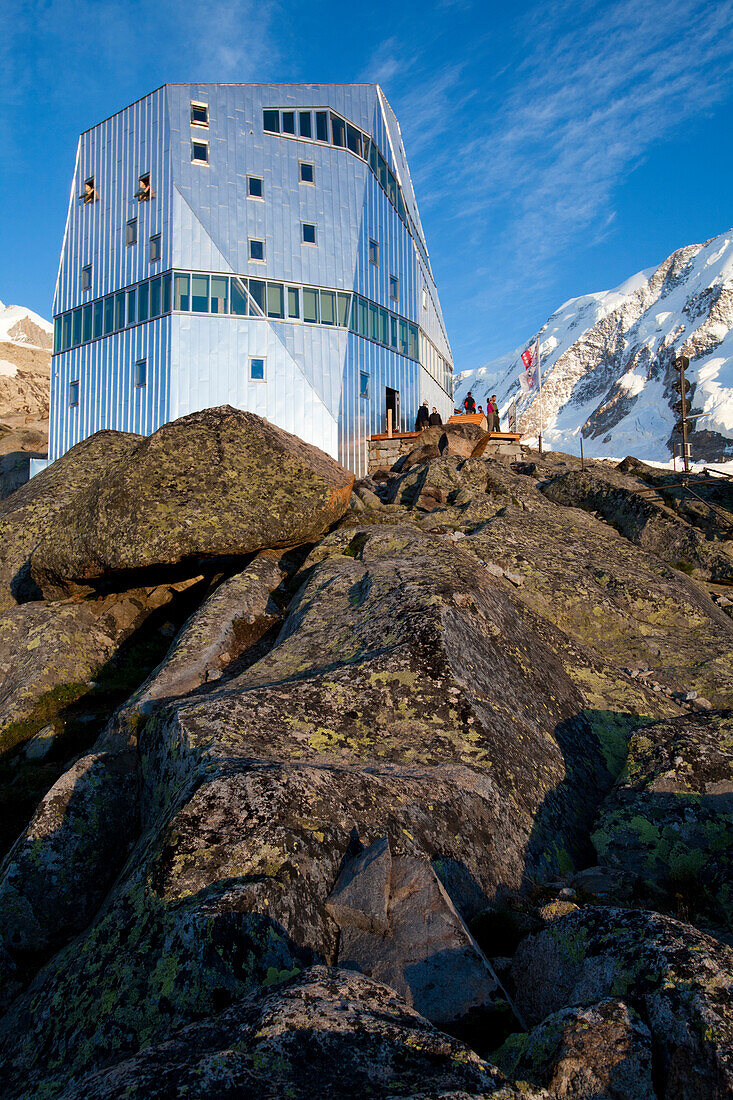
{"type": "Point", "coordinates": [555, 148]}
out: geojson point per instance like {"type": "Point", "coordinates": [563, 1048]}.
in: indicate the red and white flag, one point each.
{"type": "Point", "coordinates": [528, 378]}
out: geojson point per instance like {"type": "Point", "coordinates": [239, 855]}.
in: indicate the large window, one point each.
{"type": "Point", "coordinates": [293, 302]}
{"type": "Point", "coordinates": [200, 293]}
{"type": "Point", "coordinates": [181, 291]}
{"type": "Point", "coordinates": [305, 124]}
{"type": "Point", "coordinates": [288, 120]}
{"type": "Point", "coordinates": [275, 300]}
{"type": "Point", "coordinates": [310, 304]}
{"type": "Point", "coordinates": [240, 302]}
{"type": "Point", "coordinates": [219, 294]}
{"type": "Point", "coordinates": [271, 121]}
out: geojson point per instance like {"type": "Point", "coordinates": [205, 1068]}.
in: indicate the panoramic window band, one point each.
{"type": "Point", "coordinates": [242, 296]}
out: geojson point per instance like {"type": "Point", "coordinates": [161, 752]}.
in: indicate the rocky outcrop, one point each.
{"type": "Point", "coordinates": [639, 514]}
{"type": "Point", "coordinates": [28, 514]}
{"type": "Point", "coordinates": [328, 1033]}
{"type": "Point", "coordinates": [213, 485]}
{"type": "Point", "coordinates": [668, 822]}
{"type": "Point", "coordinates": [678, 980]}
{"type": "Point", "coordinates": [604, 1050]}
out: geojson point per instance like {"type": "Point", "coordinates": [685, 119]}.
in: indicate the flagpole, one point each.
{"type": "Point", "coordinates": [539, 388]}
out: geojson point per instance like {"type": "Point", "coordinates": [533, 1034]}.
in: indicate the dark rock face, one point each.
{"type": "Point", "coordinates": [27, 515]}
{"type": "Point", "coordinates": [678, 980]}
{"type": "Point", "coordinates": [668, 822]}
{"type": "Point", "coordinates": [329, 1033]}
{"type": "Point", "coordinates": [211, 485]}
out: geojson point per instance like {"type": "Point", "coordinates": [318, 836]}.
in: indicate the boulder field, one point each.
{"type": "Point", "coordinates": [418, 786]}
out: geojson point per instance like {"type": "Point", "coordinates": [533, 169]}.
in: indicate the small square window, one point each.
{"type": "Point", "coordinates": [199, 114]}
{"type": "Point", "coordinates": [144, 191]}
{"type": "Point", "coordinates": [394, 287]}
{"type": "Point", "coordinates": [256, 249]}
{"type": "Point", "coordinates": [90, 193]}
{"type": "Point", "coordinates": [308, 232]}
{"type": "Point", "coordinates": [257, 370]}
{"type": "Point", "coordinates": [307, 172]}
{"type": "Point", "coordinates": [86, 277]}
{"type": "Point", "coordinates": [73, 394]}
{"type": "Point", "coordinates": [200, 152]}
{"type": "Point", "coordinates": [154, 253]}
{"type": "Point", "coordinates": [255, 187]}
{"type": "Point", "coordinates": [131, 232]}
{"type": "Point", "coordinates": [374, 253]}
{"type": "Point", "coordinates": [141, 373]}
{"type": "Point", "coordinates": [363, 384]}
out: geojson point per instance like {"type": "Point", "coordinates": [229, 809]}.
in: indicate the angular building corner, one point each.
{"type": "Point", "coordinates": [257, 245]}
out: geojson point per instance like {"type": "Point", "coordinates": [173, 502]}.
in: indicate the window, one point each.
{"type": "Point", "coordinates": [86, 325]}
{"type": "Point", "coordinates": [338, 130]}
{"type": "Point", "coordinates": [239, 297]}
{"type": "Point", "coordinates": [384, 327]}
{"type": "Point", "coordinates": [271, 122]}
{"type": "Point", "coordinates": [308, 232]}
{"type": "Point", "coordinates": [257, 294]}
{"type": "Point", "coordinates": [76, 327]}
{"type": "Point", "coordinates": [363, 384]}
{"type": "Point", "coordinates": [181, 288]}
{"type": "Point", "coordinates": [73, 394]}
{"type": "Point", "coordinates": [328, 307]}
{"type": "Point", "coordinates": [310, 304]}
{"type": "Point", "coordinates": [425, 297]}
{"type": "Point", "coordinates": [89, 194]}
{"type": "Point", "coordinates": [141, 373]}
{"type": "Point", "coordinates": [219, 293]}
{"type": "Point", "coordinates": [56, 335]}
{"type": "Point", "coordinates": [256, 249]}
{"type": "Point", "coordinates": [305, 124]}
{"type": "Point", "coordinates": [154, 250]}
{"type": "Point", "coordinates": [199, 114]}
{"type": "Point", "coordinates": [288, 122]}
{"type": "Point", "coordinates": [344, 301]}
{"type": "Point", "coordinates": [200, 293]}
{"type": "Point", "coordinates": [86, 277]}
{"type": "Point", "coordinates": [322, 125]}
{"type": "Point", "coordinates": [374, 253]}
{"type": "Point", "coordinates": [307, 172]}
{"type": "Point", "coordinates": [155, 297]}
{"type": "Point", "coordinates": [257, 370]}
{"type": "Point", "coordinates": [131, 307]}
{"type": "Point", "coordinates": [66, 332]}
{"type": "Point", "coordinates": [293, 302]}
{"type": "Point", "coordinates": [167, 293]}
{"type": "Point", "coordinates": [393, 331]}
{"type": "Point", "coordinates": [109, 314]}
{"type": "Point", "coordinates": [142, 302]}
{"type": "Point", "coordinates": [200, 152]}
{"type": "Point", "coordinates": [373, 321]}
{"type": "Point", "coordinates": [394, 287]}
{"type": "Point", "coordinates": [275, 300]}
{"type": "Point", "coordinates": [144, 192]}
{"type": "Point", "coordinates": [255, 187]}
{"type": "Point", "coordinates": [119, 310]}
{"type": "Point", "coordinates": [353, 139]}
{"type": "Point", "coordinates": [131, 232]}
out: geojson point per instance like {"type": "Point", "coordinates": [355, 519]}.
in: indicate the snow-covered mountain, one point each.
{"type": "Point", "coordinates": [607, 363]}
{"type": "Point", "coordinates": [25, 367]}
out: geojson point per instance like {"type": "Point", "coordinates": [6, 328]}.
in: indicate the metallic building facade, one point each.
{"type": "Point", "coordinates": [257, 245]}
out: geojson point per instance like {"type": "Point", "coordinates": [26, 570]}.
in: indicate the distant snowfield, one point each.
{"type": "Point", "coordinates": [607, 363]}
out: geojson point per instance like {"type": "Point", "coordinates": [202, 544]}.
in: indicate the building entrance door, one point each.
{"type": "Point", "coordinates": [393, 406]}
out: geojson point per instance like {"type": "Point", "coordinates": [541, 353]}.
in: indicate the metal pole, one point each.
{"type": "Point", "coordinates": [539, 387]}
{"type": "Point", "coordinates": [582, 460]}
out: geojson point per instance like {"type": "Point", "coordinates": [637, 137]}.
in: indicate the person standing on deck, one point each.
{"type": "Point", "coordinates": [435, 419]}
{"type": "Point", "coordinates": [469, 405]}
{"type": "Point", "coordinates": [423, 416]}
